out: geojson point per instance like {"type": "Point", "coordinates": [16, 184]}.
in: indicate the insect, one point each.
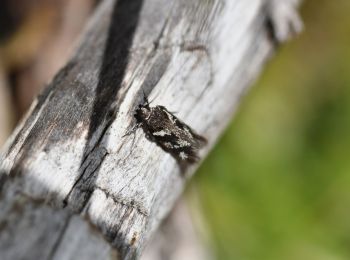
{"type": "Point", "coordinates": [168, 132]}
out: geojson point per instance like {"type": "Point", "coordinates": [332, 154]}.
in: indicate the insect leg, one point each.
{"type": "Point", "coordinates": [132, 130]}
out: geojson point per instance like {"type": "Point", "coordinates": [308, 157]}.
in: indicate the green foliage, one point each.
{"type": "Point", "coordinates": [277, 185]}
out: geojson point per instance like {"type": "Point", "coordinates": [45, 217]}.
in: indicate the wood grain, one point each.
{"type": "Point", "coordinates": [69, 179]}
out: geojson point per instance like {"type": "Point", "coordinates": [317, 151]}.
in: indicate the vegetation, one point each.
{"type": "Point", "coordinates": [277, 185]}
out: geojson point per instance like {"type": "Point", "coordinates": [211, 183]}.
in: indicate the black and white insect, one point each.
{"type": "Point", "coordinates": [168, 132]}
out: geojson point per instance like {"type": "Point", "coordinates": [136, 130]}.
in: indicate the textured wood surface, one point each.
{"type": "Point", "coordinates": [72, 187]}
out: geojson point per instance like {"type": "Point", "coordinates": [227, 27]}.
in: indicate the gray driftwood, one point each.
{"type": "Point", "coordinates": [72, 187]}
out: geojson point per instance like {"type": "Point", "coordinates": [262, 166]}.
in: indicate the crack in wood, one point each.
{"type": "Point", "coordinates": [84, 185]}
{"type": "Point", "coordinates": [124, 202]}
{"type": "Point", "coordinates": [270, 26]}
{"type": "Point", "coordinates": [59, 239]}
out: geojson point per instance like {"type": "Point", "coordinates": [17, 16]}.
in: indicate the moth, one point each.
{"type": "Point", "coordinates": [169, 132]}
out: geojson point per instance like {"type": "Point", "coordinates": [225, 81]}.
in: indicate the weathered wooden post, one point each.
{"type": "Point", "coordinates": [72, 185]}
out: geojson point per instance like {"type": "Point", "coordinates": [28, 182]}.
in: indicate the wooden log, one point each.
{"type": "Point", "coordinates": [72, 185]}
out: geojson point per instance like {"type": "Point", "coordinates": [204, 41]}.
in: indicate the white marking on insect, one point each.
{"type": "Point", "coordinates": [161, 133]}
{"type": "Point", "coordinates": [171, 117]}
{"type": "Point", "coordinates": [169, 145]}
{"type": "Point", "coordinates": [183, 155]}
{"type": "Point", "coordinates": [183, 143]}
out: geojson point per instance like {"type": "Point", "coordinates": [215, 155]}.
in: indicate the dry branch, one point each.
{"type": "Point", "coordinates": [72, 187]}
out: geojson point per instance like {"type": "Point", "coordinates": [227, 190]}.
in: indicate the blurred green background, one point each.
{"type": "Point", "coordinates": [277, 185]}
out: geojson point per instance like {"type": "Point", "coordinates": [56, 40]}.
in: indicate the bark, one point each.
{"type": "Point", "coordinates": [72, 185]}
